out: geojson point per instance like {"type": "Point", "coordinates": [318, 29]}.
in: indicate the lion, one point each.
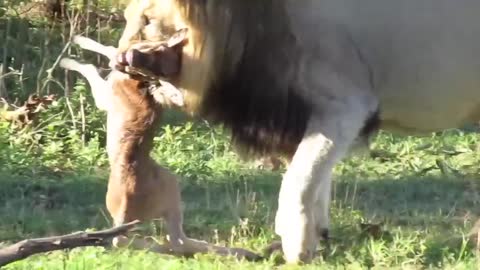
{"type": "Point", "coordinates": [308, 79]}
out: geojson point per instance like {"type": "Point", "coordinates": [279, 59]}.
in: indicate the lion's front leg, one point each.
{"type": "Point", "coordinates": [305, 191]}
{"type": "Point", "coordinates": [295, 219]}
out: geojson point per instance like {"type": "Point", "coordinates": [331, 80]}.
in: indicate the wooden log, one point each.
{"type": "Point", "coordinates": [28, 247]}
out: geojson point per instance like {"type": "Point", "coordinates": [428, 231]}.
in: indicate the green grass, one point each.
{"type": "Point", "coordinates": [425, 190]}
{"type": "Point", "coordinates": [53, 181]}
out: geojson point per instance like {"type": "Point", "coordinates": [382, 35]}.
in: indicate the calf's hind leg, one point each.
{"type": "Point", "coordinates": [178, 241]}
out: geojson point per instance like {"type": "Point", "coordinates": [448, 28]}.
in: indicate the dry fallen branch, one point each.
{"type": "Point", "coordinates": [27, 113]}
{"type": "Point", "coordinates": [28, 247]}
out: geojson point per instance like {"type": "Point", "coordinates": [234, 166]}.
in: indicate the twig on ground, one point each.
{"type": "Point", "coordinates": [28, 247]}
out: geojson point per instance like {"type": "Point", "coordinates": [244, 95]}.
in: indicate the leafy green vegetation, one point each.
{"type": "Point", "coordinates": [53, 180]}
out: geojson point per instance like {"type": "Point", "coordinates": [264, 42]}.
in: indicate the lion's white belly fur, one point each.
{"type": "Point", "coordinates": [424, 56]}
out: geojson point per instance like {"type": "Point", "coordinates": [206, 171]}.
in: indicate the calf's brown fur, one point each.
{"type": "Point", "coordinates": [138, 187]}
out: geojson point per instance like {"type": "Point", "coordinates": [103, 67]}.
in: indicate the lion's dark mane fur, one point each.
{"type": "Point", "coordinates": [255, 93]}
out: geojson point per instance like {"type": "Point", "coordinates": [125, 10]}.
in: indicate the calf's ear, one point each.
{"type": "Point", "coordinates": [179, 38]}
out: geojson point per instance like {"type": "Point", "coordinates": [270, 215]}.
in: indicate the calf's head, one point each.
{"type": "Point", "coordinates": [156, 59]}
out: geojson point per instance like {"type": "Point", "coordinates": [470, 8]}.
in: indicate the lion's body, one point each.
{"type": "Point", "coordinates": [422, 55]}
{"type": "Point", "coordinates": [421, 64]}
{"type": "Point", "coordinates": [307, 78]}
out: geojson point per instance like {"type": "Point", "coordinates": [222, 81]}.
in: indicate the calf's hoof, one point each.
{"type": "Point", "coordinates": [120, 241]}
{"type": "Point", "coordinates": [248, 255]}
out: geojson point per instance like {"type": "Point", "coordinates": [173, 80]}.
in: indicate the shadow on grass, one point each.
{"type": "Point", "coordinates": [435, 209]}
{"type": "Point", "coordinates": [432, 212]}
{"type": "Point", "coordinates": [411, 196]}
{"type": "Point", "coordinates": [35, 205]}
{"type": "Point", "coordinates": [424, 217]}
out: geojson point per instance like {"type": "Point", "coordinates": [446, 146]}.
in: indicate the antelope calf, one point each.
{"type": "Point", "coordinates": [139, 188]}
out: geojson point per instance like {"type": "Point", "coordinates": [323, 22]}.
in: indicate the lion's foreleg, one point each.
{"type": "Point", "coordinates": [305, 191]}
